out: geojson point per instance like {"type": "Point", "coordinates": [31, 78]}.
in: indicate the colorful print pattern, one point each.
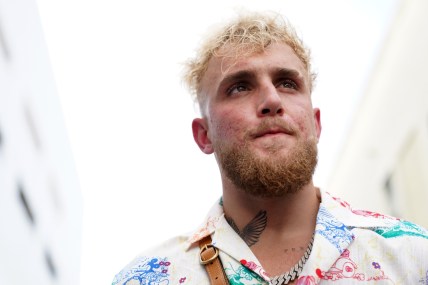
{"type": "Point", "coordinates": [306, 280]}
{"type": "Point", "coordinates": [150, 271]}
{"type": "Point", "coordinates": [346, 268]}
{"type": "Point", "coordinates": [241, 275]}
{"type": "Point", "coordinates": [332, 229]}
{"type": "Point", "coordinates": [402, 228]}
{"type": "Point", "coordinates": [251, 265]}
{"type": "Point", "coordinates": [204, 231]}
{"type": "Point", "coordinates": [363, 213]}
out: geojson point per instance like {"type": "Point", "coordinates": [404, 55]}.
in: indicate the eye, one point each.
{"type": "Point", "coordinates": [237, 88]}
{"type": "Point", "coordinates": [288, 83]}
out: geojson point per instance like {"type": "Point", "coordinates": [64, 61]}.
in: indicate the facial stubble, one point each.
{"type": "Point", "coordinates": [273, 175]}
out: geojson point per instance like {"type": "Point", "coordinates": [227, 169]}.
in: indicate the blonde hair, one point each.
{"type": "Point", "coordinates": [248, 34]}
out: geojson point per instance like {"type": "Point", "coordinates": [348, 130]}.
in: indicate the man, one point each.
{"type": "Point", "coordinates": [253, 82]}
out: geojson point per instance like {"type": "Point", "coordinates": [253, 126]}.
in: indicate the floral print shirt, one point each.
{"type": "Point", "coordinates": [350, 247]}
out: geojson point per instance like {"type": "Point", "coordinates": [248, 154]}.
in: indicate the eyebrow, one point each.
{"type": "Point", "coordinates": [237, 76]}
{"type": "Point", "coordinates": [286, 72]}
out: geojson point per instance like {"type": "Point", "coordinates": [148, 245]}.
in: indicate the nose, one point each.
{"type": "Point", "coordinates": [270, 102]}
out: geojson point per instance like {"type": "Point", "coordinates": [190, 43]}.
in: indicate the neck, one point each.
{"type": "Point", "coordinates": [289, 214]}
{"type": "Point", "coordinates": [275, 225]}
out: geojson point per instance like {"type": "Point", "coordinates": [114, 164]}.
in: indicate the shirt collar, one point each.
{"type": "Point", "coordinates": [353, 218]}
{"type": "Point", "coordinates": [209, 225]}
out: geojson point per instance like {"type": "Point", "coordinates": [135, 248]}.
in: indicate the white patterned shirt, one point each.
{"type": "Point", "coordinates": [350, 247]}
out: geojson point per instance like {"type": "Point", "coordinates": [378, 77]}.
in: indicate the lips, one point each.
{"type": "Point", "coordinates": [273, 131]}
{"type": "Point", "coordinates": [272, 127]}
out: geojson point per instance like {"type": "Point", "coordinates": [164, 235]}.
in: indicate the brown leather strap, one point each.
{"type": "Point", "coordinates": [209, 258]}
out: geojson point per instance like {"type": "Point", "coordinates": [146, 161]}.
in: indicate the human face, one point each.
{"type": "Point", "coordinates": [260, 103]}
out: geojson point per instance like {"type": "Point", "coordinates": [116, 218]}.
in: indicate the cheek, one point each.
{"type": "Point", "coordinates": [306, 122]}
{"type": "Point", "coordinates": [225, 126]}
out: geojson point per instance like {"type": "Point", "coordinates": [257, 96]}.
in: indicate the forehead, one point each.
{"type": "Point", "coordinates": [276, 56]}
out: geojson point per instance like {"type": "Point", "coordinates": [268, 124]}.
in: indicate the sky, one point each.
{"type": "Point", "coordinates": [117, 66]}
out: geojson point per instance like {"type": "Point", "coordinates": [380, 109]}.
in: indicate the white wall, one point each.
{"type": "Point", "coordinates": [40, 242]}
{"type": "Point", "coordinates": [384, 163]}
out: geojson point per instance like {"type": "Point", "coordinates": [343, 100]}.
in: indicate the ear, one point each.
{"type": "Point", "coordinates": [200, 135]}
{"type": "Point", "coordinates": [317, 121]}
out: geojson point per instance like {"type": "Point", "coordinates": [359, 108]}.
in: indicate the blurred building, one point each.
{"type": "Point", "coordinates": [40, 201]}
{"type": "Point", "coordinates": [384, 163]}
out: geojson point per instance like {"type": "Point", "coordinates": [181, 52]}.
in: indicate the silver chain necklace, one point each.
{"type": "Point", "coordinates": [295, 271]}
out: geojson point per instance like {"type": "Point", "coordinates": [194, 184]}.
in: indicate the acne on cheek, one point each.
{"type": "Point", "coordinates": [305, 125]}
{"type": "Point", "coordinates": [224, 121]}
{"type": "Point", "coordinates": [225, 129]}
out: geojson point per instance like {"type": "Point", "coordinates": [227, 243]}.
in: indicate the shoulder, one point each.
{"type": "Point", "coordinates": [385, 225]}
{"type": "Point", "coordinates": [171, 262]}
{"type": "Point", "coordinates": [396, 252]}
{"type": "Point", "coordinates": [382, 247]}
{"type": "Point", "coordinates": [370, 227]}
{"type": "Point", "coordinates": [174, 261]}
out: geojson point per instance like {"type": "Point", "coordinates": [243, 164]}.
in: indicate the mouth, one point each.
{"type": "Point", "coordinates": [273, 132]}
{"type": "Point", "coordinates": [273, 128]}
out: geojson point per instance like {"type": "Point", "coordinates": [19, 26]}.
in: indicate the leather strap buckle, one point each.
{"type": "Point", "coordinates": [210, 259]}
{"type": "Point", "coordinates": [205, 248]}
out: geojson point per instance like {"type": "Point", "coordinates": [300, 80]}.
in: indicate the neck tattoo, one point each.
{"type": "Point", "coordinates": [252, 231]}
